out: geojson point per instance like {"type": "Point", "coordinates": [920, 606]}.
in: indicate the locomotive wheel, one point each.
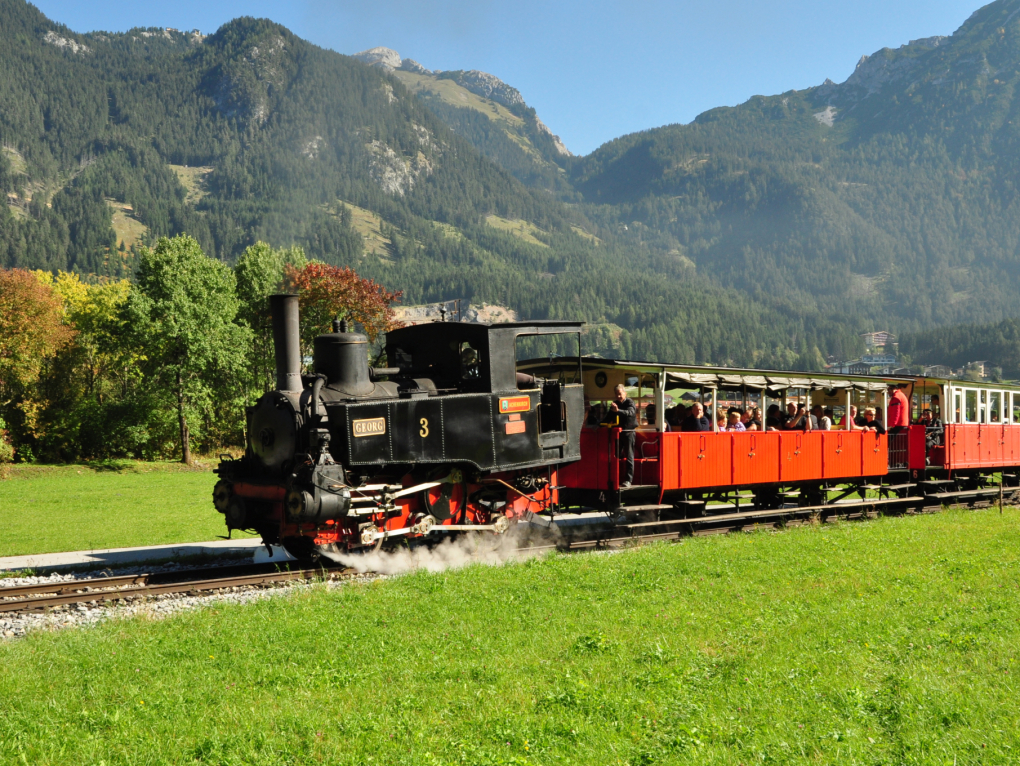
{"type": "Point", "coordinates": [447, 500]}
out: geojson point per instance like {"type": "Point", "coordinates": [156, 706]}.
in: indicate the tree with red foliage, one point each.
{"type": "Point", "coordinates": [331, 292]}
{"type": "Point", "coordinates": [32, 329]}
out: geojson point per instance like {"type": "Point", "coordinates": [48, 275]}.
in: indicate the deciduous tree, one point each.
{"type": "Point", "coordinates": [32, 331]}
{"type": "Point", "coordinates": [32, 328]}
{"type": "Point", "coordinates": [329, 292]}
{"type": "Point", "coordinates": [260, 273]}
{"type": "Point", "coordinates": [183, 313]}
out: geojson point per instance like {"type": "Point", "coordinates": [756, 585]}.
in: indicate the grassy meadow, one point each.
{"type": "Point", "coordinates": [118, 504]}
{"type": "Point", "coordinates": [887, 642]}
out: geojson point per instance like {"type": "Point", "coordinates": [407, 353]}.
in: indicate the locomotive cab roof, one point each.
{"type": "Point", "coordinates": [471, 356]}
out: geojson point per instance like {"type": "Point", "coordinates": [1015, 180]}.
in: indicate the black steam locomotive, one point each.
{"type": "Point", "coordinates": [449, 438]}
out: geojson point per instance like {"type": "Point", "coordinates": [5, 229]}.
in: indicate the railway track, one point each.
{"type": "Point", "coordinates": [44, 596]}
{"type": "Point", "coordinates": [39, 597]}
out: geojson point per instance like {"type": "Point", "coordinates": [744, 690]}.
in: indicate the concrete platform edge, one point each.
{"type": "Point", "coordinates": [246, 549]}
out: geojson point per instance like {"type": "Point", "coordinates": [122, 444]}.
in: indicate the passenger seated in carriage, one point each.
{"type": "Point", "coordinates": [933, 429]}
{"type": "Point", "coordinates": [733, 420]}
{"type": "Point", "coordinates": [819, 422]}
{"type": "Point", "coordinates": [751, 419]}
{"type": "Point", "coordinates": [650, 415]}
{"type": "Point", "coordinates": [800, 420]}
{"type": "Point", "coordinates": [674, 417]}
{"type": "Point", "coordinates": [696, 421]}
{"type": "Point", "coordinates": [857, 422]}
{"type": "Point", "coordinates": [872, 423]}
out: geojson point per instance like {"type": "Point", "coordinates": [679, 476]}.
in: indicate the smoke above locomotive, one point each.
{"type": "Point", "coordinates": [448, 439]}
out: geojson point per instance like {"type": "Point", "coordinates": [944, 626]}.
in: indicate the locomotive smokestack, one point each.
{"type": "Point", "coordinates": [286, 341]}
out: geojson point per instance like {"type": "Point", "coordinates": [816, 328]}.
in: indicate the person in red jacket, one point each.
{"type": "Point", "coordinates": [899, 411]}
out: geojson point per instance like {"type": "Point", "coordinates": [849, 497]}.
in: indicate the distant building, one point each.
{"type": "Point", "coordinates": [879, 359]}
{"type": "Point", "coordinates": [981, 368]}
{"type": "Point", "coordinates": [938, 371]}
{"type": "Point", "coordinates": [859, 368]}
{"type": "Point", "coordinates": [880, 338]}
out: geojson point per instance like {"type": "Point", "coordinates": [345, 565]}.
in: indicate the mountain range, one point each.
{"type": "Point", "coordinates": [770, 233]}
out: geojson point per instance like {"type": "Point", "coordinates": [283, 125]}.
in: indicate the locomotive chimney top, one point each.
{"type": "Point", "coordinates": [286, 341]}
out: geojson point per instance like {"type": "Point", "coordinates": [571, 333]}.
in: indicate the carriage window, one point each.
{"type": "Point", "coordinates": [994, 407]}
{"type": "Point", "coordinates": [1007, 406]}
{"type": "Point", "coordinates": [971, 411]}
{"type": "Point", "coordinates": [982, 407]}
{"type": "Point", "coordinates": [956, 407]}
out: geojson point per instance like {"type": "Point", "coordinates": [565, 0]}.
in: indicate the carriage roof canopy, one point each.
{"type": "Point", "coordinates": [726, 378]}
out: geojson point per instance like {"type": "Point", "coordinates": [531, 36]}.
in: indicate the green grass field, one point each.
{"type": "Point", "coordinates": [47, 509]}
{"type": "Point", "coordinates": [885, 642]}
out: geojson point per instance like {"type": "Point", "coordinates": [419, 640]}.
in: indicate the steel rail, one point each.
{"type": "Point", "coordinates": [144, 578]}
{"type": "Point", "coordinates": [156, 589]}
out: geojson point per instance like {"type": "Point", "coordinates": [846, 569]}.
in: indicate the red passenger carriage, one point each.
{"type": "Point", "coordinates": [970, 445]}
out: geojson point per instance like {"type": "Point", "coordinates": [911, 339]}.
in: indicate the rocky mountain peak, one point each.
{"type": "Point", "coordinates": [389, 59]}
{"type": "Point", "coordinates": [386, 58]}
{"type": "Point", "coordinates": [480, 83]}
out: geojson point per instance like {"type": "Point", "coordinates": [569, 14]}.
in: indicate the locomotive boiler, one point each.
{"type": "Point", "coordinates": [449, 438]}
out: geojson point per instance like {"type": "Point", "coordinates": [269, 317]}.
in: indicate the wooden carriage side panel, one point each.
{"type": "Point", "coordinates": [706, 459]}
{"type": "Point", "coordinates": [972, 445]}
{"type": "Point", "coordinates": [669, 461]}
{"type": "Point", "coordinates": [590, 472]}
{"type": "Point", "coordinates": [800, 456]}
{"type": "Point", "coordinates": [755, 458]}
{"type": "Point", "coordinates": [961, 444]}
{"type": "Point", "coordinates": [999, 444]}
{"type": "Point", "coordinates": [917, 446]}
{"type": "Point", "coordinates": [990, 446]}
{"type": "Point", "coordinates": [875, 453]}
{"type": "Point", "coordinates": [841, 454]}
{"type": "Point", "coordinates": [1014, 440]}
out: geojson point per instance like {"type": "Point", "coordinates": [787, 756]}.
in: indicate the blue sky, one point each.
{"type": "Point", "coordinates": [593, 69]}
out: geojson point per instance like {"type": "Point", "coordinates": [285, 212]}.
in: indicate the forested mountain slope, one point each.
{"type": "Point", "coordinates": [252, 133]}
{"type": "Point", "coordinates": [891, 198]}
{"type": "Point", "coordinates": [771, 233]}
{"type": "Point", "coordinates": [489, 113]}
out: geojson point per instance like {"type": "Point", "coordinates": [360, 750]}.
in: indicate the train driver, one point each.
{"type": "Point", "coordinates": [623, 410]}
